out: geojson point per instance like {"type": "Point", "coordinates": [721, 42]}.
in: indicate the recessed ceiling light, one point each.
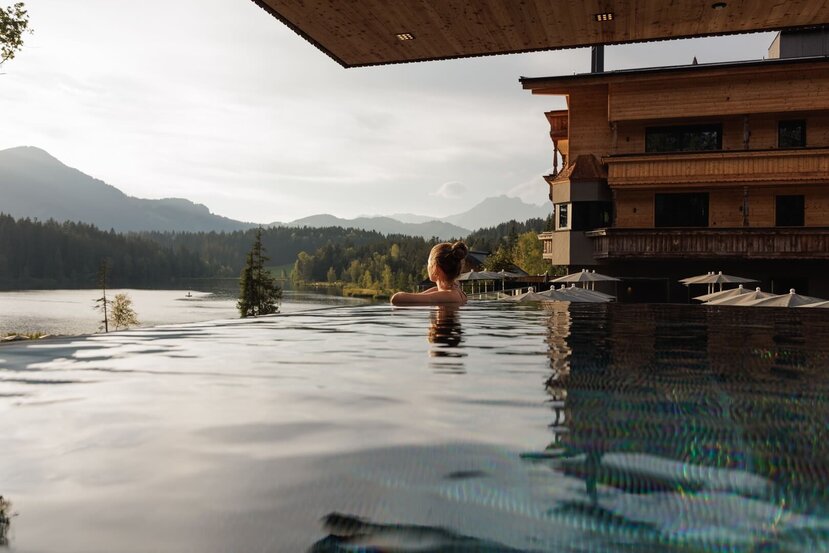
{"type": "Point", "coordinates": [405, 36]}
{"type": "Point", "coordinates": [718, 5]}
{"type": "Point", "coordinates": [601, 17]}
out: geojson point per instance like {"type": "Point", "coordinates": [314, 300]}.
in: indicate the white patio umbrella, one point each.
{"type": "Point", "coordinates": [791, 299]}
{"type": "Point", "coordinates": [716, 278]}
{"type": "Point", "coordinates": [526, 297]}
{"type": "Point", "coordinates": [585, 276]}
{"type": "Point", "coordinates": [743, 298]}
{"type": "Point", "coordinates": [738, 291]}
{"type": "Point", "coordinates": [818, 304]}
{"type": "Point", "coordinates": [577, 295]}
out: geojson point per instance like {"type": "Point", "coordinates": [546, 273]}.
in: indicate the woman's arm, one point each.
{"type": "Point", "coordinates": [436, 297]}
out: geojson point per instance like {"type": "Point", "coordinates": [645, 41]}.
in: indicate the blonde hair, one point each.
{"type": "Point", "coordinates": [449, 258]}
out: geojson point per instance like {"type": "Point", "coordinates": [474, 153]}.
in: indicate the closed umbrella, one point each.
{"type": "Point", "coordinates": [791, 299]}
{"type": "Point", "coordinates": [743, 298]}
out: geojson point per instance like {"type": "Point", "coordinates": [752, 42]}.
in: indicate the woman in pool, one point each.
{"type": "Point", "coordinates": [444, 267]}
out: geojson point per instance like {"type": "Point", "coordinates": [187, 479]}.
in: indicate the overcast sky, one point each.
{"type": "Point", "coordinates": [218, 102]}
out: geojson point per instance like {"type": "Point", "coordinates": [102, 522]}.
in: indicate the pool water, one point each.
{"type": "Point", "coordinates": [367, 428]}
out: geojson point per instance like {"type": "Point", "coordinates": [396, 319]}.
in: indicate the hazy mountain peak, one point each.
{"type": "Point", "coordinates": [36, 184]}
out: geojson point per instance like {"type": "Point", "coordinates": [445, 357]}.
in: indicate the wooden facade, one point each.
{"type": "Point", "coordinates": [755, 171]}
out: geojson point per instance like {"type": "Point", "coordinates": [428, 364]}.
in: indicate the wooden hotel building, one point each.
{"type": "Point", "coordinates": [673, 171]}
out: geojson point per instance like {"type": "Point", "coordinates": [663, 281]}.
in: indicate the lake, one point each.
{"type": "Point", "coordinates": [491, 428]}
{"type": "Point", "coordinates": [72, 312]}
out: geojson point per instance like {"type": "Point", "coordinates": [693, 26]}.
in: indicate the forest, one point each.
{"type": "Point", "coordinates": [37, 254]}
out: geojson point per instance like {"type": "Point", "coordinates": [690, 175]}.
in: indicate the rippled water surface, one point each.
{"type": "Point", "coordinates": [362, 428]}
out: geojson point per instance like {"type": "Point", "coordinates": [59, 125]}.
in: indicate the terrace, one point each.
{"type": "Point", "coordinates": [749, 243]}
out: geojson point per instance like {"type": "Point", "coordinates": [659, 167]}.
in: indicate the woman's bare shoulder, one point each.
{"type": "Point", "coordinates": [441, 297]}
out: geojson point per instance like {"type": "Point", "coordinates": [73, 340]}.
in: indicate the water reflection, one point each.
{"type": "Point", "coordinates": [445, 337]}
{"type": "Point", "coordinates": [348, 533]}
{"type": "Point", "coordinates": [5, 520]}
{"type": "Point", "coordinates": [696, 430]}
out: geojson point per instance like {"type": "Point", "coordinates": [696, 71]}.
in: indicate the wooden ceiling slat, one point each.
{"type": "Point", "coordinates": [362, 32]}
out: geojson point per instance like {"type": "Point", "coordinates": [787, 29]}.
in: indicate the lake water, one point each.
{"type": "Point", "coordinates": [72, 312]}
{"type": "Point", "coordinates": [366, 428]}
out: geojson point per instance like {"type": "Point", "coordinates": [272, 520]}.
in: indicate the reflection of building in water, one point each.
{"type": "Point", "coordinates": [558, 325]}
{"type": "Point", "coordinates": [446, 337]}
{"type": "Point", "coordinates": [684, 400]}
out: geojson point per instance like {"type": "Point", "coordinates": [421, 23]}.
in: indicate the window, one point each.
{"type": "Point", "coordinates": [790, 211]}
{"type": "Point", "coordinates": [681, 210]}
{"type": "Point", "coordinates": [563, 216]}
{"type": "Point", "coordinates": [791, 134]}
{"type": "Point", "coordinates": [591, 215]}
{"type": "Point", "coordinates": [686, 138]}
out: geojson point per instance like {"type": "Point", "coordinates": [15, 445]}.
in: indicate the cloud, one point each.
{"type": "Point", "coordinates": [450, 190]}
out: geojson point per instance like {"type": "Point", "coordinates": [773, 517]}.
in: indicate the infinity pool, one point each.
{"type": "Point", "coordinates": [363, 428]}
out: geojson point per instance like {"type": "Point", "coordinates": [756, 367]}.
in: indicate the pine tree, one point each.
{"type": "Point", "coordinates": [258, 291]}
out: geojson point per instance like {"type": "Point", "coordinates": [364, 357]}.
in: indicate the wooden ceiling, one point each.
{"type": "Point", "coordinates": [364, 32]}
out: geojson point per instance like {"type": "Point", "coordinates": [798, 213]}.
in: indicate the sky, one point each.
{"type": "Point", "coordinates": [218, 102]}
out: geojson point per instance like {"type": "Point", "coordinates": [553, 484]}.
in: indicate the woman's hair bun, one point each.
{"type": "Point", "coordinates": [459, 250]}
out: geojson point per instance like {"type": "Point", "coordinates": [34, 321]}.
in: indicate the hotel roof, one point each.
{"type": "Point", "coordinates": [549, 85]}
{"type": "Point", "coordinates": [359, 33]}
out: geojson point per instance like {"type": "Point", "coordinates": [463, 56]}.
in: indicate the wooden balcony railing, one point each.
{"type": "Point", "coordinates": [547, 241]}
{"type": "Point", "coordinates": [798, 166]}
{"type": "Point", "coordinates": [749, 243]}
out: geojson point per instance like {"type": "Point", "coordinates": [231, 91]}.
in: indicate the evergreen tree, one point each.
{"type": "Point", "coordinates": [259, 293]}
{"type": "Point", "coordinates": [247, 290]}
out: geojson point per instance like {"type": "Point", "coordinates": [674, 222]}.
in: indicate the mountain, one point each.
{"type": "Point", "coordinates": [489, 213]}
{"type": "Point", "coordinates": [385, 225]}
{"type": "Point", "coordinates": [34, 184]}
{"type": "Point", "coordinates": [496, 210]}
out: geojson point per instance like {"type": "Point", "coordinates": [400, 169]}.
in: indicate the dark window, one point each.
{"type": "Point", "coordinates": [591, 215]}
{"type": "Point", "coordinates": [686, 138]}
{"type": "Point", "coordinates": [791, 134]}
{"type": "Point", "coordinates": [562, 215]}
{"type": "Point", "coordinates": [681, 210]}
{"type": "Point", "coordinates": [790, 211]}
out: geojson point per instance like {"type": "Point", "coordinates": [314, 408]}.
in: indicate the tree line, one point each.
{"type": "Point", "coordinates": [37, 254]}
{"type": "Point", "coordinates": [49, 254]}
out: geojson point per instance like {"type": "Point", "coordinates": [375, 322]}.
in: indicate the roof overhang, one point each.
{"type": "Point", "coordinates": [561, 85]}
{"type": "Point", "coordinates": [359, 33]}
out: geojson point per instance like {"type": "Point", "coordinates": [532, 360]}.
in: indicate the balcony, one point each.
{"type": "Point", "coordinates": [547, 240]}
{"type": "Point", "coordinates": [800, 166]}
{"type": "Point", "coordinates": [695, 243]}
{"type": "Point", "coordinates": [559, 122]}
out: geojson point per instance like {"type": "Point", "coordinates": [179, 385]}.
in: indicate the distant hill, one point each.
{"type": "Point", "coordinates": [496, 210]}
{"type": "Point", "coordinates": [385, 225]}
{"type": "Point", "coordinates": [35, 184]}
{"type": "Point", "coordinates": [490, 212]}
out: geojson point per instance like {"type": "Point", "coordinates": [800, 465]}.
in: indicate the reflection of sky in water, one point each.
{"type": "Point", "coordinates": [71, 312]}
{"type": "Point", "coordinates": [588, 428]}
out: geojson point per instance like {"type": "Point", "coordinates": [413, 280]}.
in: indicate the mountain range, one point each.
{"type": "Point", "coordinates": [35, 184]}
